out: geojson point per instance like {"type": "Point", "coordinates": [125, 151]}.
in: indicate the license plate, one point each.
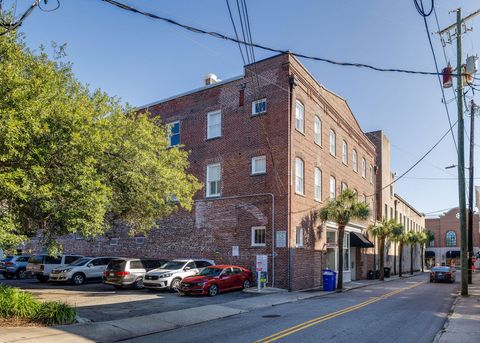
{"type": "Point", "coordinates": [112, 274]}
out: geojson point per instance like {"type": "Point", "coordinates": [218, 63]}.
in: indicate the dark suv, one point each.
{"type": "Point", "coordinates": [129, 272]}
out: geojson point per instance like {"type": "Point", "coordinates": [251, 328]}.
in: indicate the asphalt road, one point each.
{"type": "Point", "coordinates": [407, 310]}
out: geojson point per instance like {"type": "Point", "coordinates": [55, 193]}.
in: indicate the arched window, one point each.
{"type": "Point", "coordinates": [318, 184]}
{"type": "Point", "coordinates": [344, 152]}
{"type": "Point", "coordinates": [432, 242]}
{"type": "Point", "coordinates": [299, 176]}
{"type": "Point", "coordinates": [354, 160]}
{"type": "Point", "coordinates": [333, 143]}
{"type": "Point", "coordinates": [317, 127]}
{"type": "Point", "coordinates": [451, 239]}
{"type": "Point", "coordinates": [300, 117]}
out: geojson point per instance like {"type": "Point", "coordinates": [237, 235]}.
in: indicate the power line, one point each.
{"type": "Point", "coordinates": [13, 25]}
{"type": "Point", "coordinates": [235, 30]}
{"type": "Point", "coordinates": [435, 178]}
{"type": "Point", "coordinates": [264, 47]}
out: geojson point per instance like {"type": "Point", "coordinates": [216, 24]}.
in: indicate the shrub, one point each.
{"type": "Point", "coordinates": [55, 312]}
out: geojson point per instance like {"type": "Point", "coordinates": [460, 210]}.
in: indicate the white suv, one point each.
{"type": "Point", "coordinates": [41, 265]}
{"type": "Point", "coordinates": [170, 275]}
{"type": "Point", "coordinates": [86, 268]}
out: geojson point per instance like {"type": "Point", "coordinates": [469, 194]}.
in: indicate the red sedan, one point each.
{"type": "Point", "coordinates": [215, 279]}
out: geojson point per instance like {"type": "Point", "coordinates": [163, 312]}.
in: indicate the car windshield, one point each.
{"type": "Point", "coordinates": [36, 259]}
{"type": "Point", "coordinates": [210, 272]}
{"type": "Point", "coordinates": [7, 259]}
{"type": "Point", "coordinates": [441, 269]}
{"type": "Point", "coordinates": [116, 265]}
{"type": "Point", "coordinates": [173, 265]}
{"type": "Point", "coordinates": [80, 262]}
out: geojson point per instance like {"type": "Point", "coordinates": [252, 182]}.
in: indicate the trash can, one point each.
{"type": "Point", "coordinates": [386, 272]}
{"type": "Point", "coordinates": [329, 280]}
{"type": "Point", "coordinates": [370, 275]}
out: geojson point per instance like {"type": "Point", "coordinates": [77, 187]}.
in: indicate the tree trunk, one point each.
{"type": "Point", "coordinates": [422, 248]}
{"type": "Point", "coordinates": [341, 233]}
{"type": "Point", "coordinates": [411, 258]}
{"type": "Point", "coordinates": [394, 258]}
{"type": "Point", "coordinates": [400, 257]}
{"type": "Point", "coordinates": [382, 258]}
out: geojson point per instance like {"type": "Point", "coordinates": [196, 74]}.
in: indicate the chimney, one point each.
{"type": "Point", "coordinates": [210, 79]}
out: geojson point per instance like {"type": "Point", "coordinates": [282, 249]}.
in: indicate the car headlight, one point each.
{"type": "Point", "coordinates": [201, 283]}
{"type": "Point", "coordinates": [65, 270]}
{"type": "Point", "coordinates": [166, 275]}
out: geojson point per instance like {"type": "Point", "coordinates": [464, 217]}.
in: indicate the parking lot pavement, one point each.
{"type": "Point", "coordinates": [98, 302]}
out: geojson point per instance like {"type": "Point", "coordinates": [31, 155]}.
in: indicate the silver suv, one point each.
{"type": "Point", "coordinates": [41, 265]}
{"type": "Point", "coordinates": [129, 272]}
{"type": "Point", "coordinates": [84, 269]}
{"type": "Point", "coordinates": [171, 274]}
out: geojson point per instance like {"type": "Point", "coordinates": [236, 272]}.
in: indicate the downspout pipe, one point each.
{"type": "Point", "coordinates": [293, 83]}
{"type": "Point", "coordinates": [273, 220]}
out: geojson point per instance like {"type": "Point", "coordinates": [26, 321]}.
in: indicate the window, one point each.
{"type": "Point", "coordinates": [343, 186]}
{"type": "Point", "coordinates": [371, 174]}
{"type": "Point", "coordinates": [174, 134]}
{"type": "Point", "coordinates": [432, 242]}
{"type": "Point", "coordinates": [331, 250]}
{"type": "Point", "coordinates": [54, 259]}
{"type": "Point", "coordinates": [136, 265]}
{"type": "Point", "coordinates": [354, 160]}
{"type": "Point", "coordinates": [333, 143]}
{"type": "Point", "coordinates": [385, 212]}
{"type": "Point", "coordinates": [299, 237]}
{"type": "Point", "coordinates": [214, 124]}
{"type": "Point", "coordinates": [113, 241]}
{"type": "Point", "coordinates": [356, 194]}
{"type": "Point", "coordinates": [364, 199]}
{"type": "Point", "coordinates": [344, 152]}
{"type": "Point", "coordinates": [202, 264]}
{"type": "Point", "coordinates": [299, 117]}
{"type": "Point", "coordinates": [333, 188]}
{"type": "Point", "coordinates": [451, 239]}
{"type": "Point", "coordinates": [318, 185]}
{"type": "Point", "coordinates": [364, 168]}
{"type": "Point", "coordinates": [139, 240]}
{"type": "Point", "coordinates": [259, 165]}
{"type": "Point", "coordinates": [317, 129]}
{"type": "Point", "coordinates": [259, 107]}
{"type": "Point", "coordinates": [391, 190]}
{"type": "Point", "coordinates": [78, 236]}
{"type": "Point", "coordinates": [213, 180]}
{"type": "Point", "coordinates": [71, 259]}
{"type": "Point", "coordinates": [258, 236]}
{"type": "Point", "coordinates": [299, 176]}
{"type": "Point", "coordinates": [346, 251]}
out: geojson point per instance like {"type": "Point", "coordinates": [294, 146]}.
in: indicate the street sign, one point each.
{"type": "Point", "coordinates": [262, 263]}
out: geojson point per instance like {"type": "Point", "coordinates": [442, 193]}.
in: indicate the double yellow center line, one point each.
{"type": "Point", "coordinates": [332, 315]}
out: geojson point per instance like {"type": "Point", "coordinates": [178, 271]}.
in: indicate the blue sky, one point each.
{"type": "Point", "coordinates": [142, 60]}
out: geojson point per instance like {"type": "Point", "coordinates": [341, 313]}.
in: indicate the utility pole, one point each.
{"type": "Point", "coordinates": [461, 148]}
{"type": "Point", "coordinates": [470, 191]}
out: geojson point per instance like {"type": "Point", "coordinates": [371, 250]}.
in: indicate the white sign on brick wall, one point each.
{"type": "Point", "coordinates": [281, 239]}
{"type": "Point", "coordinates": [235, 250]}
{"type": "Point", "coordinates": [262, 263]}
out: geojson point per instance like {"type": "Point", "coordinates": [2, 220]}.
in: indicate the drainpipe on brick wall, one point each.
{"type": "Point", "coordinates": [273, 220]}
{"type": "Point", "coordinates": [293, 83]}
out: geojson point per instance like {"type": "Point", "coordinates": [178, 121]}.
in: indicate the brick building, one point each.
{"type": "Point", "coordinates": [271, 147]}
{"type": "Point", "coordinates": [390, 205]}
{"type": "Point", "coordinates": [445, 247]}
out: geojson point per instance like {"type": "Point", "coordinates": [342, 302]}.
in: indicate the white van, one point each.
{"type": "Point", "coordinates": [41, 265]}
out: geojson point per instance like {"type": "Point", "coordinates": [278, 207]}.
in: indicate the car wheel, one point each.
{"type": "Point", "coordinates": [8, 276]}
{"type": "Point", "coordinates": [213, 290]}
{"type": "Point", "coordinates": [21, 274]}
{"type": "Point", "coordinates": [78, 279]}
{"type": "Point", "coordinates": [246, 284]}
{"type": "Point", "coordinates": [175, 285]}
{"type": "Point", "coordinates": [138, 284]}
{"type": "Point", "coordinates": [42, 278]}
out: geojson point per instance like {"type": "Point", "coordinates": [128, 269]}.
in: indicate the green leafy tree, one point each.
{"type": "Point", "coordinates": [382, 231]}
{"type": "Point", "coordinates": [424, 237]}
{"type": "Point", "coordinates": [77, 161]}
{"type": "Point", "coordinates": [398, 236]}
{"type": "Point", "coordinates": [342, 210]}
{"type": "Point", "coordinates": [412, 239]}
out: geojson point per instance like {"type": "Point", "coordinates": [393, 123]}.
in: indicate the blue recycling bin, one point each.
{"type": "Point", "coordinates": [329, 280]}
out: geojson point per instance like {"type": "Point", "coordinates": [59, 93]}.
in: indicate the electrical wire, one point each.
{"type": "Point", "coordinates": [235, 30]}
{"type": "Point", "coordinates": [12, 26]}
{"type": "Point", "coordinates": [264, 47]}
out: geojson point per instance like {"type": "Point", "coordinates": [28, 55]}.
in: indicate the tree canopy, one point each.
{"type": "Point", "coordinates": [74, 160]}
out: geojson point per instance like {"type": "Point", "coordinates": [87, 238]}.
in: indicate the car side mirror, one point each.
{"type": "Point", "coordinates": [187, 268]}
{"type": "Point", "coordinates": [89, 265]}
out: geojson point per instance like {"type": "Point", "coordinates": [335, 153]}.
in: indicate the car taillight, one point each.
{"type": "Point", "coordinates": [122, 273]}
{"type": "Point", "coordinates": [448, 274]}
{"type": "Point", "coordinates": [9, 263]}
{"type": "Point", "coordinates": [42, 267]}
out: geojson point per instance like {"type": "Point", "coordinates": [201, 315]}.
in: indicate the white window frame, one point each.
{"type": "Point", "coordinates": [343, 186]}
{"type": "Point", "coordinates": [213, 127]}
{"type": "Point", "coordinates": [254, 106]}
{"type": "Point", "coordinates": [139, 240]}
{"type": "Point", "coordinates": [333, 192]}
{"type": "Point", "coordinates": [299, 176]}
{"type": "Point", "coordinates": [209, 166]}
{"type": "Point", "coordinates": [317, 191]}
{"type": "Point", "coordinates": [364, 199]}
{"type": "Point", "coordinates": [332, 139]}
{"type": "Point", "coordinates": [355, 161]}
{"type": "Point", "coordinates": [344, 152]}
{"type": "Point", "coordinates": [170, 125]}
{"type": "Point", "coordinates": [317, 130]}
{"type": "Point", "coordinates": [371, 174]}
{"type": "Point", "coordinates": [299, 116]}
{"type": "Point", "coordinates": [254, 165]}
{"type": "Point", "coordinates": [299, 237]}
{"type": "Point", "coordinates": [114, 241]}
{"type": "Point", "coordinates": [364, 168]}
{"type": "Point", "coordinates": [257, 228]}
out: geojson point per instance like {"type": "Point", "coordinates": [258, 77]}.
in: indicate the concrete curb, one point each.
{"type": "Point", "coordinates": [444, 328]}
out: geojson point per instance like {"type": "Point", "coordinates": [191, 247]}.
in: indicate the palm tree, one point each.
{"type": "Point", "coordinates": [412, 239]}
{"type": "Point", "coordinates": [382, 231]}
{"type": "Point", "coordinates": [399, 237]}
{"type": "Point", "coordinates": [425, 237]}
{"type": "Point", "coordinates": [342, 210]}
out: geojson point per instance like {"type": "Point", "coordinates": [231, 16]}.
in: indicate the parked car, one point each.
{"type": "Point", "coordinates": [83, 269]}
{"type": "Point", "coordinates": [41, 265]}
{"type": "Point", "coordinates": [215, 279]}
{"type": "Point", "coordinates": [442, 273]}
{"type": "Point", "coordinates": [14, 266]}
{"type": "Point", "coordinates": [171, 274]}
{"type": "Point", "coordinates": [129, 272]}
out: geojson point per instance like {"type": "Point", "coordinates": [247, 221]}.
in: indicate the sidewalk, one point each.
{"type": "Point", "coordinates": [123, 329]}
{"type": "Point", "coordinates": [463, 323]}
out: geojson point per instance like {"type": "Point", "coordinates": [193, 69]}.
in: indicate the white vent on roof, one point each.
{"type": "Point", "coordinates": [210, 79]}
